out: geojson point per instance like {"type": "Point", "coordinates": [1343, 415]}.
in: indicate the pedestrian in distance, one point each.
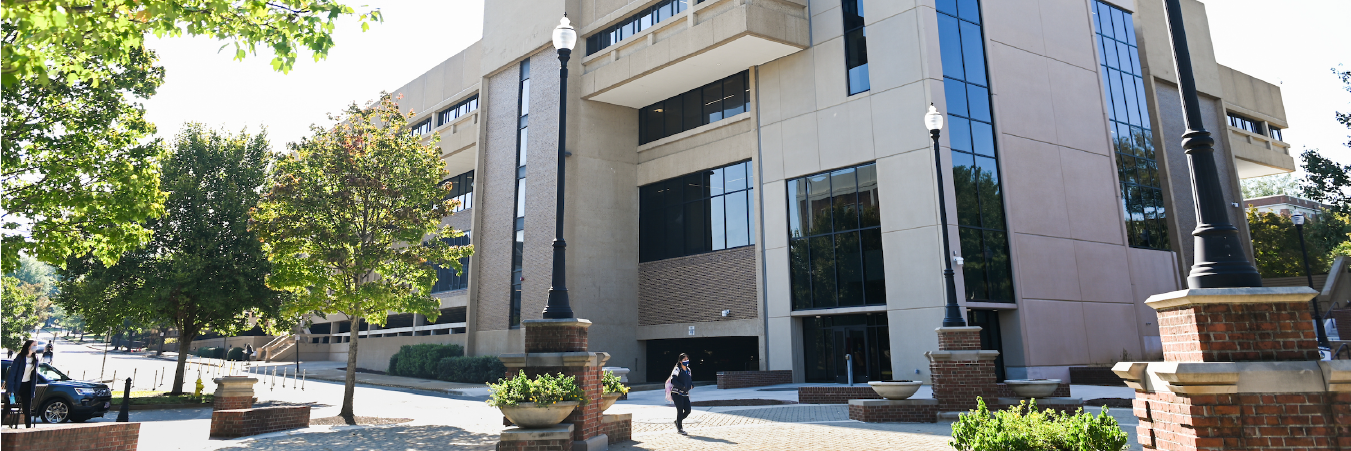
{"type": "Point", "coordinates": [49, 353]}
{"type": "Point", "coordinates": [248, 352]}
{"type": "Point", "coordinates": [678, 390]}
{"type": "Point", "coordinates": [22, 380]}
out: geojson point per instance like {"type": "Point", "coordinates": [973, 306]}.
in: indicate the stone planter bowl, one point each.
{"type": "Point", "coordinates": [608, 399]}
{"type": "Point", "coordinates": [895, 389]}
{"type": "Point", "coordinates": [528, 415]}
{"type": "Point", "coordinates": [1033, 388]}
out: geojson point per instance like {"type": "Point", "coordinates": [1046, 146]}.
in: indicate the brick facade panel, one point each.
{"type": "Point", "coordinates": [1270, 421]}
{"type": "Point", "coordinates": [697, 288]}
{"type": "Point", "coordinates": [834, 395]}
{"type": "Point", "coordinates": [743, 379]}
{"type": "Point", "coordinates": [1238, 333]}
{"type": "Point", "coordinates": [246, 422]}
{"type": "Point", "coordinates": [894, 414]}
{"type": "Point", "coordinates": [74, 437]}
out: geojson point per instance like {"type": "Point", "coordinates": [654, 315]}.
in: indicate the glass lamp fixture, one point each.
{"type": "Point", "coordinates": [933, 120]}
{"type": "Point", "coordinates": [564, 36]}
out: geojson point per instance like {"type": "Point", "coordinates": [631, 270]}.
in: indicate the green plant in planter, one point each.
{"type": "Point", "coordinates": [544, 390]}
{"type": "Point", "coordinates": [612, 384]}
{"type": "Point", "coordinates": [1023, 427]}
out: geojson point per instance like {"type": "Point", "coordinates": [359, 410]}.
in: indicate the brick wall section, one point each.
{"type": "Point", "coordinates": [957, 384]}
{"type": "Point", "coordinates": [535, 445]}
{"type": "Point", "coordinates": [1095, 375]}
{"type": "Point", "coordinates": [586, 418]}
{"type": "Point", "coordinates": [742, 379]}
{"type": "Point", "coordinates": [231, 403]}
{"type": "Point", "coordinates": [894, 414]}
{"type": "Point", "coordinates": [1238, 333]}
{"type": "Point", "coordinates": [74, 437]}
{"type": "Point", "coordinates": [1268, 421]}
{"type": "Point", "coordinates": [617, 428]}
{"type": "Point", "coordinates": [1004, 391]}
{"type": "Point", "coordinates": [246, 422]}
{"type": "Point", "coordinates": [959, 340]}
{"type": "Point", "coordinates": [697, 288]}
{"type": "Point", "coordinates": [539, 338]}
{"type": "Point", "coordinates": [834, 395]}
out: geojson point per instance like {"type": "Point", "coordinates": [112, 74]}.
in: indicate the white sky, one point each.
{"type": "Point", "coordinates": [1293, 43]}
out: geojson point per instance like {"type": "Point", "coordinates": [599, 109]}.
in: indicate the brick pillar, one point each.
{"type": "Point", "coordinates": [1241, 371]}
{"type": "Point", "coordinates": [559, 346]}
{"type": "Point", "coordinates": [960, 370]}
{"type": "Point", "coordinates": [233, 392]}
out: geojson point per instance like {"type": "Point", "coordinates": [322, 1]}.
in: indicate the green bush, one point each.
{"type": "Point", "coordinates": [210, 353]}
{"type": "Point", "coordinates": [612, 384]}
{"type": "Point", "coordinates": [544, 390]}
{"type": "Point", "coordinates": [472, 370]}
{"type": "Point", "coordinates": [421, 360]}
{"type": "Point", "coordinates": [1023, 427]}
{"type": "Point", "coordinates": [236, 353]}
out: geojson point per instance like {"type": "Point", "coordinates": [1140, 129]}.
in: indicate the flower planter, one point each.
{"type": "Point", "coordinates": [608, 399]}
{"type": "Point", "coordinates": [895, 389]}
{"type": "Point", "coordinates": [528, 415]}
{"type": "Point", "coordinates": [1033, 388]}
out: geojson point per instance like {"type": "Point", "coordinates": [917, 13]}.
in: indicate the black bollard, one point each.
{"type": "Point", "coordinates": [125, 415]}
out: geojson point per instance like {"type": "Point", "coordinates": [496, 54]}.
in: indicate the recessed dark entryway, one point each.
{"type": "Point", "coordinates": [861, 340]}
{"type": "Point", "coordinates": [708, 356]}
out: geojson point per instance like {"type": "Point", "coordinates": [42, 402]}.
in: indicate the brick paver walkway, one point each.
{"type": "Point", "coordinates": [852, 436]}
{"type": "Point", "coordinates": [703, 419]}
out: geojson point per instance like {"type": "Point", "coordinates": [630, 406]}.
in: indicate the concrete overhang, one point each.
{"type": "Point", "coordinates": [706, 43]}
{"type": "Point", "coordinates": [1257, 156]}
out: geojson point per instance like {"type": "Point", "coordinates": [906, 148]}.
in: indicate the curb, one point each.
{"type": "Point", "coordinates": [447, 391]}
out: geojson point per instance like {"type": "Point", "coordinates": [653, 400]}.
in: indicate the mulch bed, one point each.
{"type": "Point", "coordinates": [1109, 402]}
{"type": "Point", "coordinates": [362, 421]}
{"type": "Point", "coordinates": [741, 402]}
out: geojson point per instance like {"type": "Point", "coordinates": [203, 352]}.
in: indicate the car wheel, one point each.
{"type": "Point", "coordinates": [55, 411]}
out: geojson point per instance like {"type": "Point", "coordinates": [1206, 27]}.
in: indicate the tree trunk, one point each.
{"type": "Point", "coordinates": [350, 388]}
{"type": "Point", "coordinates": [182, 364]}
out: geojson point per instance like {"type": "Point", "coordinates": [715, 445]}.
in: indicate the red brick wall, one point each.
{"type": "Point", "coordinates": [726, 281]}
{"type": "Point", "coordinates": [742, 379]}
{"type": "Point", "coordinates": [1238, 333]}
{"type": "Point", "coordinates": [959, 340]}
{"type": "Point", "coordinates": [1268, 421]}
{"type": "Point", "coordinates": [957, 384]}
{"type": "Point", "coordinates": [246, 422]}
{"type": "Point", "coordinates": [232, 403]}
{"type": "Point", "coordinates": [73, 437]}
{"type": "Point", "coordinates": [895, 414]}
{"type": "Point", "coordinates": [536, 445]}
{"type": "Point", "coordinates": [541, 338]}
{"type": "Point", "coordinates": [617, 429]}
{"type": "Point", "coordinates": [585, 418]}
{"type": "Point", "coordinates": [834, 395]}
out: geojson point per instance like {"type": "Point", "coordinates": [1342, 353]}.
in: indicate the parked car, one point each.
{"type": "Point", "coordinates": [60, 398]}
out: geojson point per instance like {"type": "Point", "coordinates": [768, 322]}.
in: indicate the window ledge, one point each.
{"type": "Point", "coordinates": [695, 131]}
{"type": "Point", "coordinates": [840, 310]}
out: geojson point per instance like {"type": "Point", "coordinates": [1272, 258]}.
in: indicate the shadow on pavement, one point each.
{"type": "Point", "coordinates": [409, 438]}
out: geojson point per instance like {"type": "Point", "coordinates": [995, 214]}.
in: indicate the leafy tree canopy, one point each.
{"type": "Point", "coordinates": [76, 170]}
{"type": "Point", "coordinates": [1276, 243]}
{"type": "Point", "coordinates": [352, 222]}
{"type": "Point", "coordinates": [80, 39]}
{"type": "Point", "coordinates": [1326, 181]}
{"type": "Point", "coordinates": [1271, 185]}
{"type": "Point", "coordinates": [18, 312]}
{"type": "Point", "coordinates": [203, 268]}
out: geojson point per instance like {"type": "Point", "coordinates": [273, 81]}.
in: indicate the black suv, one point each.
{"type": "Point", "coordinates": [60, 398]}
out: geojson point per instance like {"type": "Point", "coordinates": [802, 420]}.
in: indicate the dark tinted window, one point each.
{"type": "Point", "coordinates": [449, 115]}
{"type": "Point", "coordinates": [835, 239]}
{"type": "Point", "coordinates": [446, 278]}
{"type": "Point", "coordinates": [696, 213]}
{"type": "Point", "coordinates": [855, 46]}
{"type": "Point", "coordinates": [699, 106]}
{"type": "Point", "coordinates": [636, 23]}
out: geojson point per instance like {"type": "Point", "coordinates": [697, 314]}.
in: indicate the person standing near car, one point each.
{"type": "Point", "coordinates": [681, 380]}
{"type": "Point", "coordinates": [22, 380]}
{"type": "Point", "coordinates": [50, 352]}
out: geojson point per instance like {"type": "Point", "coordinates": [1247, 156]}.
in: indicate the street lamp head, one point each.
{"type": "Point", "coordinates": [933, 120]}
{"type": "Point", "coordinates": [1298, 218]}
{"type": "Point", "coordinates": [564, 36]}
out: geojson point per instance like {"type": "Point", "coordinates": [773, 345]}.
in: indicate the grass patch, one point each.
{"type": "Point", "coordinates": [149, 397]}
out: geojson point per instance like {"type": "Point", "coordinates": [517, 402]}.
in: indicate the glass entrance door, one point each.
{"type": "Point", "coordinates": [851, 350]}
{"type": "Point", "coordinates": [827, 340]}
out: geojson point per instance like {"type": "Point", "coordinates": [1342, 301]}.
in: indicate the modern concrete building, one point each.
{"type": "Point", "coordinates": [751, 181]}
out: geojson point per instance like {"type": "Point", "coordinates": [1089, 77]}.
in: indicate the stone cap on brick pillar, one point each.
{"type": "Point", "coordinates": [234, 387]}
{"type": "Point", "coordinates": [961, 356]}
{"type": "Point", "coordinates": [1207, 296]}
{"type": "Point", "coordinates": [1201, 378]}
{"type": "Point", "coordinates": [564, 322]}
{"type": "Point", "coordinates": [561, 431]}
{"type": "Point", "coordinates": [1236, 324]}
{"type": "Point", "coordinates": [554, 359]}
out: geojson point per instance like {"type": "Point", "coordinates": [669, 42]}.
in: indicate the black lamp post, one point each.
{"type": "Point", "coordinates": [952, 315]}
{"type": "Point", "coordinates": [1219, 260]}
{"type": "Point", "coordinates": [558, 307]}
{"type": "Point", "coordinates": [1298, 218]}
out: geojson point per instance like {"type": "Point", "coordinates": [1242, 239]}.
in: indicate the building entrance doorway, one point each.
{"type": "Point", "coordinates": [834, 344]}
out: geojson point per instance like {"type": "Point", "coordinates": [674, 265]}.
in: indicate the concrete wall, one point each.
{"type": "Point", "coordinates": [374, 353]}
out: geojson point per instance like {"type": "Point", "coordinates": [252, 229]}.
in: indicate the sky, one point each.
{"type": "Point", "coordinates": [1294, 44]}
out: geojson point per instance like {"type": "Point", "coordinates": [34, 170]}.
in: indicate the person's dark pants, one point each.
{"type": "Point", "coordinates": [25, 395]}
{"type": "Point", "coordinates": [682, 403]}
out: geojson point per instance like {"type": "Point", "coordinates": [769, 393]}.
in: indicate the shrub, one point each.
{"type": "Point", "coordinates": [236, 353]}
{"type": "Point", "coordinates": [210, 353]}
{"type": "Point", "coordinates": [421, 360]}
{"type": "Point", "coordinates": [543, 390]}
{"type": "Point", "coordinates": [612, 384]}
{"type": "Point", "coordinates": [1023, 427]}
{"type": "Point", "coordinates": [472, 370]}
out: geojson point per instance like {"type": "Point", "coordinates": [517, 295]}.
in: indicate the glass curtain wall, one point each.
{"type": "Point", "coordinates": [835, 239]}
{"type": "Point", "coordinates": [855, 46]}
{"type": "Point", "coordinates": [1137, 164]}
{"type": "Point", "coordinates": [518, 242]}
{"type": "Point", "coordinates": [699, 106]}
{"type": "Point", "coordinates": [695, 213]}
{"type": "Point", "coordinates": [981, 226]}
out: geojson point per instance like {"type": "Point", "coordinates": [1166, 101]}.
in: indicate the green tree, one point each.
{"type": "Point", "coordinates": [1271, 185]}
{"type": "Point", "coordinates": [1325, 180]}
{"type": "Point", "coordinates": [352, 223]}
{"type": "Point", "coordinates": [68, 39]}
{"type": "Point", "coordinates": [33, 272]}
{"type": "Point", "coordinates": [204, 269]}
{"type": "Point", "coordinates": [17, 313]}
{"type": "Point", "coordinates": [1276, 242]}
{"type": "Point", "coordinates": [77, 172]}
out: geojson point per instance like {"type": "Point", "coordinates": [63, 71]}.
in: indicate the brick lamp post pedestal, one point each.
{"type": "Point", "coordinates": [233, 392]}
{"type": "Point", "coordinates": [560, 346]}
{"type": "Point", "coordinates": [1241, 370]}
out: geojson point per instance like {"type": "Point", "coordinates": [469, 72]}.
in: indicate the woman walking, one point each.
{"type": "Point", "coordinates": [681, 381]}
{"type": "Point", "coordinates": [22, 380]}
